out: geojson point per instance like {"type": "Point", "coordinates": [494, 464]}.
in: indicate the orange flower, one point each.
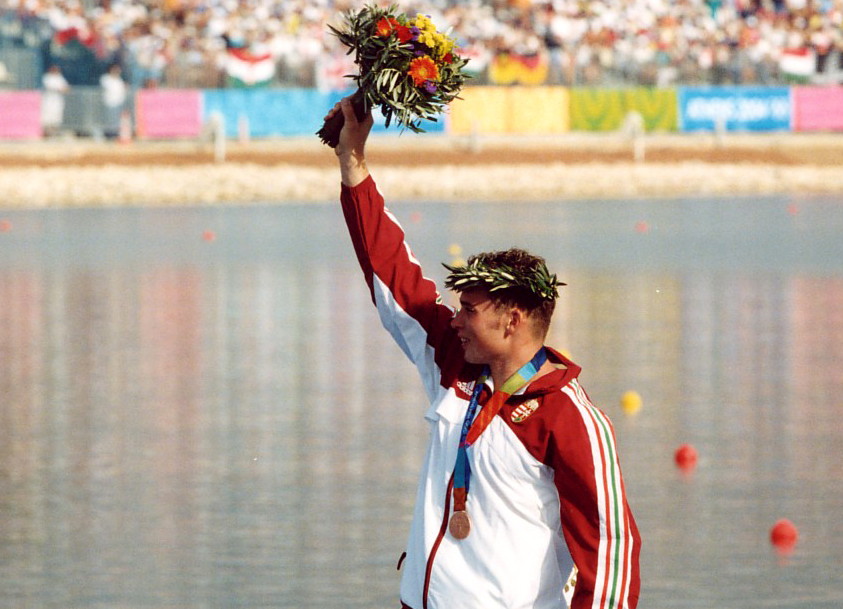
{"type": "Point", "coordinates": [423, 69]}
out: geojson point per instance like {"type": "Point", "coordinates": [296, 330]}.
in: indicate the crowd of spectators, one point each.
{"type": "Point", "coordinates": [186, 43]}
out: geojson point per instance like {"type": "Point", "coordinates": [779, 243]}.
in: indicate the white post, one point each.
{"type": "Point", "coordinates": [633, 125]}
{"type": "Point", "coordinates": [719, 130]}
{"type": "Point", "coordinates": [218, 133]}
{"type": "Point", "coordinates": [243, 131]}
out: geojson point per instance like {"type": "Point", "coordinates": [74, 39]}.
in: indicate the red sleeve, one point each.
{"type": "Point", "coordinates": [408, 303]}
{"type": "Point", "coordinates": [598, 525]}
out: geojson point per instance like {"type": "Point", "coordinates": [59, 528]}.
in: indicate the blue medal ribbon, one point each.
{"type": "Point", "coordinates": [462, 469]}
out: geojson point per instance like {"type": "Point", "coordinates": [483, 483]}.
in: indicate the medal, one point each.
{"type": "Point", "coordinates": [459, 525]}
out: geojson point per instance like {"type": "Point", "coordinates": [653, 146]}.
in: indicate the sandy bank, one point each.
{"type": "Point", "coordinates": [80, 173]}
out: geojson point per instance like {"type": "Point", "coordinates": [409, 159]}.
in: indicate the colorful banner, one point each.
{"type": "Point", "coordinates": [168, 113]}
{"type": "Point", "coordinates": [20, 115]}
{"type": "Point", "coordinates": [607, 109]}
{"type": "Point", "coordinates": [538, 109]}
{"type": "Point", "coordinates": [734, 108]}
{"type": "Point", "coordinates": [818, 108]}
{"type": "Point", "coordinates": [278, 112]}
{"type": "Point", "coordinates": [510, 110]}
{"type": "Point", "coordinates": [266, 112]}
{"type": "Point", "coordinates": [480, 110]}
{"type": "Point", "coordinates": [512, 69]}
{"type": "Point", "coordinates": [164, 113]}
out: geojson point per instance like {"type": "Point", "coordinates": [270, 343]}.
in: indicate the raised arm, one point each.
{"type": "Point", "coordinates": [408, 303]}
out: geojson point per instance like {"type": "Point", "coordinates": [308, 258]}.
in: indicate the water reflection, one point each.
{"type": "Point", "coordinates": [190, 424]}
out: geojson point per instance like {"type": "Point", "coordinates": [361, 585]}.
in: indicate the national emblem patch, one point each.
{"type": "Point", "coordinates": [522, 411]}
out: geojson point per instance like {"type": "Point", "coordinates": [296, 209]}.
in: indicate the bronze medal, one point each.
{"type": "Point", "coordinates": [459, 525]}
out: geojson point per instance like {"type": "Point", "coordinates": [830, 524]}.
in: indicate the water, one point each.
{"type": "Point", "coordinates": [221, 422]}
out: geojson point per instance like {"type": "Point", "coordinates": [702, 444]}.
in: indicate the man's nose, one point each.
{"type": "Point", "coordinates": [456, 320]}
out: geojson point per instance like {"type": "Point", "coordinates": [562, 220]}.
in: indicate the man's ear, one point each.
{"type": "Point", "coordinates": [515, 318]}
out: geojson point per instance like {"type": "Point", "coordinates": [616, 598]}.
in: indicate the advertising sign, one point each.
{"type": "Point", "coordinates": [20, 115]}
{"type": "Point", "coordinates": [818, 108]}
{"type": "Point", "coordinates": [276, 112]}
{"type": "Point", "coordinates": [168, 113]}
{"type": "Point", "coordinates": [606, 109]}
{"type": "Point", "coordinates": [509, 110]}
{"type": "Point", "coordinates": [734, 108]}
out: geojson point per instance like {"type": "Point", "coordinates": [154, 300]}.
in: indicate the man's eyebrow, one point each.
{"type": "Point", "coordinates": [464, 302]}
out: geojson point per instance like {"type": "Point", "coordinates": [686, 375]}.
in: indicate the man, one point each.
{"type": "Point", "coordinates": [521, 502]}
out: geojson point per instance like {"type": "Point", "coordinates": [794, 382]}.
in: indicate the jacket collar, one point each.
{"type": "Point", "coordinates": [566, 371]}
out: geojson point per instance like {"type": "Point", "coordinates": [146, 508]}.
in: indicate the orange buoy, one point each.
{"type": "Point", "coordinates": [784, 534]}
{"type": "Point", "coordinates": [686, 457]}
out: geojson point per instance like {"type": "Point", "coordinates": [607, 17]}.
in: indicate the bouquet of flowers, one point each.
{"type": "Point", "coordinates": [407, 68]}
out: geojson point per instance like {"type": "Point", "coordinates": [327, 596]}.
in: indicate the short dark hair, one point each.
{"type": "Point", "coordinates": [521, 263]}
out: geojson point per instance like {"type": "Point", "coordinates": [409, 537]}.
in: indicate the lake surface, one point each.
{"type": "Point", "coordinates": [198, 407]}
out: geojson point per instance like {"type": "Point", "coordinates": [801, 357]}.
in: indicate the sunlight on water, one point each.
{"type": "Point", "coordinates": [188, 422]}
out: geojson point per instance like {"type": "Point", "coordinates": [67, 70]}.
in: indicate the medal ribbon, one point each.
{"type": "Point", "coordinates": [471, 431]}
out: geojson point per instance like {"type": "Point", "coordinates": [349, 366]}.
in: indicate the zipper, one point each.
{"type": "Point", "coordinates": [438, 541]}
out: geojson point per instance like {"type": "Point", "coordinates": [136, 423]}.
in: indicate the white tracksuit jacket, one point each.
{"type": "Point", "coordinates": [546, 489]}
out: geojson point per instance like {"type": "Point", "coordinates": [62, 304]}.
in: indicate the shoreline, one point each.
{"type": "Point", "coordinates": [82, 173]}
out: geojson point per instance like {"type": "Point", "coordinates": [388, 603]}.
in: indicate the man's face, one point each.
{"type": "Point", "coordinates": [480, 326]}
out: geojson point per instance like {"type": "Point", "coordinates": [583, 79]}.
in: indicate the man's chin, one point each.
{"type": "Point", "coordinates": [471, 358]}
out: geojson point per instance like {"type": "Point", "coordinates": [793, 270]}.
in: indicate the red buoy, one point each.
{"type": "Point", "coordinates": [5, 226]}
{"type": "Point", "coordinates": [209, 235]}
{"type": "Point", "coordinates": [686, 457]}
{"type": "Point", "coordinates": [784, 534]}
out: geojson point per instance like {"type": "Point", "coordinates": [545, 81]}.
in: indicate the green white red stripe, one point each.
{"type": "Point", "coordinates": [614, 560]}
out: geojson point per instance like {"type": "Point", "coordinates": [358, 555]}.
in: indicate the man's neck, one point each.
{"type": "Point", "coordinates": [503, 368]}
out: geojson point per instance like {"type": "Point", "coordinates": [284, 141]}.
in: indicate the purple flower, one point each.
{"type": "Point", "coordinates": [430, 86]}
{"type": "Point", "coordinates": [415, 32]}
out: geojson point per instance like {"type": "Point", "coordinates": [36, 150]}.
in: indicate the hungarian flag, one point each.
{"type": "Point", "coordinates": [245, 69]}
{"type": "Point", "coordinates": [799, 64]}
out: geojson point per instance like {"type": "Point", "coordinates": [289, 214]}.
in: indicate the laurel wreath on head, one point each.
{"type": "Point", "coordinates": [476, 274]}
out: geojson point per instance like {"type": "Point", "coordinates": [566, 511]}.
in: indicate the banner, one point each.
{"type": "Point", "coordinates": [510, 110]}
{"type": "Point", "coordinates": [607, 109]}
{"type": "Point", "coordinates": [274, 112]}
{"type": "Point", "coordinates": [266, 112]}
{"type": "Point", "coordinates": [168, 113]}
{"type": "Point", "coordinates": [20, 115]}
{"type": "Point", "coordinates": [734, 108]}
{"type": "Point", "coordinates": [538, 109]}
{"type": "Point", "coordinates": [818, 108]}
